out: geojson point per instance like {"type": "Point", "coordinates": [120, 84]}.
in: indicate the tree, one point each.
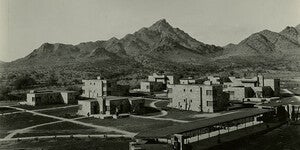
{"type": "Point", "coordinates": [4, 93]}
{"type": "Point", "coordinates": [24, 82]}
{"type": "Point", "coordinates": [52, 79]}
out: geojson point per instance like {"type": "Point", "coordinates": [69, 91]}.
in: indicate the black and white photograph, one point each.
{"type": "Point", "coordinates": [149, 74]}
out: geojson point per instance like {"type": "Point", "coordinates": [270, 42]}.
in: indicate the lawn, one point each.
{"type": "Point", "coordinates": [7, 110]}
{"type": "Point", "coordinates": [70, 112]}
{"type": "Point", "coordinates": [161, 104]}
{"type": "Point", "coordinates": [61, 128]}
{"type": "Point", "coordinates": [28, 107]}
{"type": "Point", "coordinates": [19, 121]}
{"type": "Point", "coordinates": [131, 124]}
{"type": "Point", "coordinates": [181, 114]}
{"type": "Point", "coordinates": [69, 144]}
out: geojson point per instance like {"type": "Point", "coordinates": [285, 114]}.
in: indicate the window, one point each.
{"type": "Point", "coordinates": [209, 103]}
{"type": "Point", "coordinates": [108, 84]}
{"type": "Point", "coordinates": [170, 90]}
{"type": "Point", "coordinates": [191, 90]}
{"type": "Point", "coordinates": [147, 87]}
{"type": "Point", "coordinates": [183, 90]}
{"type": "Point", "coordinates": [231, 92]}
{"type": "Point", "coordinates": [80, 107]}
{"type": "Point", "coordinates": [209, 92]}
{"type": "Point", "coordinates": [83, 91]}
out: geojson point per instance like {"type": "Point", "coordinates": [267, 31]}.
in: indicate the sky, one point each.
{"type": "Point", "coordinates": [26, 24]}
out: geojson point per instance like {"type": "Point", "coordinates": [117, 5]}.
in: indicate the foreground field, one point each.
{"type": "Point", "coordinates": [61, 128]}
{"type": "Point", "coordinates": [68, 144]}
{"type": "Point", "coordinates": [131, 124]}
{"type": "Point", "coordinates": [8, 123]}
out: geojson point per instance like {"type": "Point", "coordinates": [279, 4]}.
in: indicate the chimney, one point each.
{"type": "Point", "coordinates": [32, 91]}
{"type": "Point", "coordinates": [98, 77]}
{"type": "Point", "coordinates": [260, 80]}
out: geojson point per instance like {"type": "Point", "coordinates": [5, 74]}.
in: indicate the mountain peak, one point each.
{"type": "Point", "coordinates": [298, 27]}
{"type": "Point", "coordinates": [160, 25]}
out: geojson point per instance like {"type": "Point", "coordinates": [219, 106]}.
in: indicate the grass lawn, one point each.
{"type": "Point", "coordinates": [39, 107]}
{"type": "Point", "coordinates": [69, 144]}
{"type": "Point", "coordinates": [19, 121]}
{"type": "Point", "coordinates": [161, 104]}
{"type": "Point", "coordinates": [147, 102]}
{"type": "Point", "coordinates": [7, 110]}
{"type": "Point", "coordinates": [70, 112]}
{"type": "Point", "coordinates": [61, 128]}
{"type": "Point", "coordinates": [8, 103]}
{"type": "Point", "coordinates": [130, 124]}
{"type": "Point", "coordinates": [181, 114]}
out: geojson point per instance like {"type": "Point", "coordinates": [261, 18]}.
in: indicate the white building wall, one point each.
{"type": "Point", "coordinates": [185, 97]}
{"type": "Point", "coordinates": [95, 88]}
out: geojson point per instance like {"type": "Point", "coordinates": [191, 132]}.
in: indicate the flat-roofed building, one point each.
{"type": "Point", "coordinates": [196, 97]}
{"type": "Point", "coordinates": [157, 83]}
{"type": "Point", "coordinates": [165, 79]}
{"type": "Point", "coordinates": [238, 93]}
{"type": "Point", "coordinates": [88, 107]}
{"type": "Point", "coordinates": [102, 87]}
{"type": "Point", "coordinates": [274, 84]}
{"type": "Point", "coordinates": [111, 105]}
{"type": "Point", "coordinates": [95, 88]}
{"type": "Point", "coordinates": [147, 86]}
{"type": "Point", "coordinates": [188, 80]}
{"type": "Point", "coordinates": [36, 98]}
{"type": "Point", "coordinates": [245, 89]}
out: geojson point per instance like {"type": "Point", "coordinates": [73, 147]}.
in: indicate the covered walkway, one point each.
{"type": "Point", "coordinates": [183, 134]}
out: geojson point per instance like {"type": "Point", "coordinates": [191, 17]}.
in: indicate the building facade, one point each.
{"type": "Point", "coordinates": [245, 89]}
{"type": "Point", "coordinates": [101, 87]}
{"type": "Point", "coordinates": [157, 83]}
{"type": "Point", "coordinates": [37, 98]}
{"type": "Point", "coordinates": [96, 88]}
{"type": "Point", "coordinates": [196, 97]}
{"type": "Point", "coordinates": [111, 105]}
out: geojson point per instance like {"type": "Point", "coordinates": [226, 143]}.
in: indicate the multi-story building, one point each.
{"type": "Point", "coordinates": [101, 87]}
{"type": "Point", "coordinates": [147, 86]}
{"type": "Point", "coordinates": [197, 97]}
{"type": "Point", "coordinates": [243, 89]}
{"type": "Point", "coordinates": [188, 80]}
{"type": "Point", "coordinates": [96, 88]}
{"type": "Point", "coordinates": [165, 79]}
{"type": "Point", "coordinates": [157, 82]}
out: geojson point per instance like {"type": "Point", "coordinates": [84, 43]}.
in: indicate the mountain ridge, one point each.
{"type": "Point", "coordinates": [163, 47]}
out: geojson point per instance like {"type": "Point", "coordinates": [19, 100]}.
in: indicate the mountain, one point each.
{"type": "Point", "coordinates": [162, 47]}
{"type": "Point", "coordinates": [266, 42]}
{"type": "Point", "coordinates": [293, 33]}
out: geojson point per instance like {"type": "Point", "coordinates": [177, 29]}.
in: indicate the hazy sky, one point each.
{"type": "Point", "coordinates": [26, 24]}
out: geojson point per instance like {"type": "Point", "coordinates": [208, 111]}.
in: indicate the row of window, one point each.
{"type": "Point", "coordinates": [208, 92]}
{"type": "Point", "coordinates": [104, 84]}
{"type": "Point", "coordinates": [208, 103]}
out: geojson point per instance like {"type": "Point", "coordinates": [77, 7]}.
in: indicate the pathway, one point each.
{"type": "Point", "coordinates": [53, 108]}
{"type": "Point", "coordinates": [31, 127]}
{"type": "Point", "coordinates": [163, 113]}
{"type": "Point", "coordinates": [102, 128]}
